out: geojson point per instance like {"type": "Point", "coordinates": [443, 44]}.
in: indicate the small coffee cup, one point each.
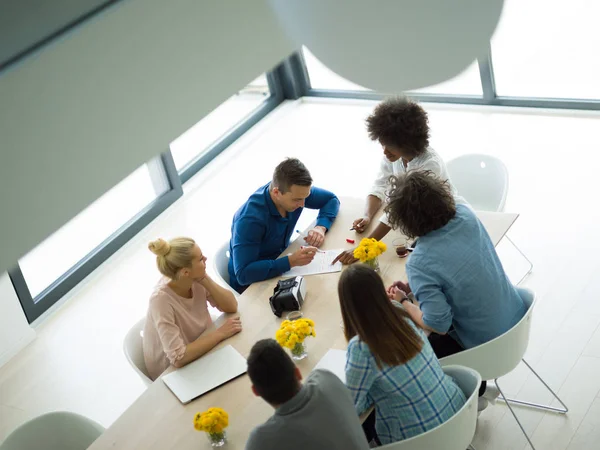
{"type": "Point", "coordinates": [401, 245]}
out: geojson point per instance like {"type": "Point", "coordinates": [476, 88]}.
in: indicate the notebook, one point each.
{"type": "Point", "coordinates": [334, 361]}
{"type": "Point", "coordinates": [320, 264]}
{"type": "Point", "coordinates": [205, 374]}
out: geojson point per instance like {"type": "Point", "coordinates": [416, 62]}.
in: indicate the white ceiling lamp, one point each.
{"type": "Point", "coordinates": [392, 46]}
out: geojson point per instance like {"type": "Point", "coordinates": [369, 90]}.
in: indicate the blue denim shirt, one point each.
{"type": "Point", "coordinates": [457, 277]}
{"type": "Point", "coordinates": [259, 234]}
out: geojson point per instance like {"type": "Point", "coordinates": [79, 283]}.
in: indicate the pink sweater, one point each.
{"type": "Point", "coordinates": [173, 322]}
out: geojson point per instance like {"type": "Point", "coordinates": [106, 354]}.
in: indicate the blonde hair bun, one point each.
{"type": "Point", "coordinates": [159, 247]}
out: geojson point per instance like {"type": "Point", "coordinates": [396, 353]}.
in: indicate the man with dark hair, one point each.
{"type": "Point", "coordinates": [317, 415]}
{"type": "Point", "coordinates": [401, 127]}
{"type": "Point", "coordinates": [262, 227]}
{"type": "Point", "coordinates": [464, 296]}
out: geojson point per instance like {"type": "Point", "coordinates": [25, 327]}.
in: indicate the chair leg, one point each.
{"type": "Point", "coordinates": [514, 415]}
{"type": "Point", "coordinates": [563, 410]}
{"type": "Point", "coordinates": [523, 255]}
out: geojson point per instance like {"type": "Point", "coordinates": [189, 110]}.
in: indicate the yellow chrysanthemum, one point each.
{"type": "Point", "coordinates": [291, 333]}
{"type": "Point", "coordinates": [213, 420]}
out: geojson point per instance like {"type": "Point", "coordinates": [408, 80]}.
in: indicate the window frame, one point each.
{"type": "Point", "coordinates": [490, 96]}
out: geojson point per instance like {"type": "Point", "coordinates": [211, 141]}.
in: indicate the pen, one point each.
{"type": "Point", "coordinates": [317, 250]}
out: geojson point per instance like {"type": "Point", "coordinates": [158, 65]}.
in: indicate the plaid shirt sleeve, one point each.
{"type": "Point", "coordinates": [360, 375]}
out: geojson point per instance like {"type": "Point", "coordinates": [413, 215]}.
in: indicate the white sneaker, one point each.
{"type": "Point", "coordinates": [491, 393]}
{"type": "Point", "coordinates": [482, 403]}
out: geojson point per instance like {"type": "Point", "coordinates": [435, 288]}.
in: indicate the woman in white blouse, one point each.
{"type": "Point", "coordinates": [401, 127]}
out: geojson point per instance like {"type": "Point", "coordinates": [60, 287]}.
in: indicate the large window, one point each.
{"type": "Point", "coordinates": [548, 48]}
{"type": "Point", "coordinates": [60, 252]}
{"type": "Point", "coordinates": [194, 142]}
{"type": "Point", "coordinates": [62, 260]}
{"type": "Point", "coordinates": [321, 77]}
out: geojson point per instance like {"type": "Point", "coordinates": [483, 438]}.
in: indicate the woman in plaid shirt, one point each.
{"type": "Point", "coordinates": [390, 363]}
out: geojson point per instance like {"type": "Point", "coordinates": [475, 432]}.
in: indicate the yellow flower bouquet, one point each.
{"type": "Point", "coordinates": [213, 421]}
{"type": "Point", "coordinates": [291, 335]}
{"type": "Point", "coordinates": [368, 251]}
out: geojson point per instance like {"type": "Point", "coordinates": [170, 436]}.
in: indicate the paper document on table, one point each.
{"type": "Point", "coordinates": [320, 264]}
{"type": "Point", "coordinates": [334, 361]}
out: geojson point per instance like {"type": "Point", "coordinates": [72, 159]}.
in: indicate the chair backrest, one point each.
{"type": "Point", "coordinates": [221, 262]}
{"type": "Point", "coordinates": [481, 179]}
{"type": "Point", "coordinates": [54, 431]}
{"type": "Point", "coordinates": [501, 355]}
{"type": "Point", "coordinates": [458, 431]}
{"type": "Point", "coordinates": [132, 347]}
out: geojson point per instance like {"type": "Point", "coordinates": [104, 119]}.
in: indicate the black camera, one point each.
{"type": "Point", "coordinates": [288, 295]}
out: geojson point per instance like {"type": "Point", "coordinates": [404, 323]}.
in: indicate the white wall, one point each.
{"type": "Point", "coordinates": [15, 332]}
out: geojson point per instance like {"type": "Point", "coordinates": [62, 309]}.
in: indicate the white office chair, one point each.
{"type": "Point", "coordinates": [457, 432]}
{"type": "Point", "coordinates": [483, 181]}
{"type": "Point", "coordinates": [221, 263]}
{"type": "Point", "coordinates": [502, 355]}
{"type": "Point", "coordinates": [132, 347]}
{"type": "Point", "coordinates": [54, 431]}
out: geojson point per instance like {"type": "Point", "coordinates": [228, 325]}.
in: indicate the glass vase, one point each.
{"type": "Point", "coordinates": [217, 439]}
{"type": "Point", "coordinates": [373, 264]}
{"type": "Point", "coordinates": [299, 351]}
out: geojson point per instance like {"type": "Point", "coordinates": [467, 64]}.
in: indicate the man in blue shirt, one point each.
{"type": "Point", "coordinates": [464, 296]}
{"type": "Point", "coordinates": [262, 227]}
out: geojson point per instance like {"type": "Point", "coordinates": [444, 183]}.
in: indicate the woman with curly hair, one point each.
{"type": "Point", "coordinates": [463, 296]}
{"type": "Point", "coordinates": [401, 127]}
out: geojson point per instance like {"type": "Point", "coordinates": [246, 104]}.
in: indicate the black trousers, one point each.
{"type": "Point", "coordinates": [369, 428]}
{"type": "Point", "coordinates": [445, 345]}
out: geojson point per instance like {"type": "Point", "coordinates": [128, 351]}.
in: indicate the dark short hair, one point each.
{"type": "Point", "coordinates": [385, 328]}
{"type": "Point", "coordinates": [401, 123]}
{"type": "Point", "coordinates": [418, 203]}
{"type": "Point", "coordinates": [272, 372]}
{"type": "Point", "coordinates": [291, 172]}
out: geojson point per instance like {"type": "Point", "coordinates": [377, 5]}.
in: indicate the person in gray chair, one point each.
{"type": "Point", "coordinates": [462, 295]}
{"type": "Point", "coordinates": [316, 414]}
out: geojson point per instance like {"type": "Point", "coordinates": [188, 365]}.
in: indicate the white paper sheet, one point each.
{"type": "Point", "coordinates": [320, 264]}
{"type": "Point", "coordinates": [334, 361]}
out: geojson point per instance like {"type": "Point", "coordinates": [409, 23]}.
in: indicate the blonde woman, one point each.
{"type": "Point", "coordinates": [178, 311]}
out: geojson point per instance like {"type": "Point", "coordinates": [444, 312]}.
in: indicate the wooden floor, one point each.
{"type": "Point", "coordinates": [77, 364]}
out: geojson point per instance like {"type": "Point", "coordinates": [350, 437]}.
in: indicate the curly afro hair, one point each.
{"type": "Point", "coordinates": [419, 203]}
{"type": "Point", "coordinates": [401, 123]}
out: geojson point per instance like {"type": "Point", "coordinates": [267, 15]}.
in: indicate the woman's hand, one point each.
{"type": "Point", "coordinates": [396, 294]}
{"type": "Point", "coordinates": [230, 328]}
{"type": "Point", "coordinates": [400, 285]}
{"type": "Point", "coordinates": [360, 225]}
{"type": "Point", "coordinates": [346, 257]}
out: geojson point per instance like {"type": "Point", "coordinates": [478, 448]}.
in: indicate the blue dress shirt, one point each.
{"type": "Point", "coordinates": [457, 277]}
{"type": "Point", "coordinates": [259, 234]}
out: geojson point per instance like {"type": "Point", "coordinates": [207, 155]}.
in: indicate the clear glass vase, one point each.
{"type": "Point", "coordinates": [217, 439]}
{"type": "Point", "coordinates": [299, 351]}
{"type": "Point", "coordinates": [373, 264]}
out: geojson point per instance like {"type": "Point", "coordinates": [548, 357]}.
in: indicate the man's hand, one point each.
{"type": "Point", "coordinates": [316, 236]}
{"type": "Point", "coordinates": [360, 225]}
{"type": "Point", "coordinates": [346, 257]}
{"type": "Point", "coordinates": [230, 327]}
{"type": "Point", "coordinates": [302, 256]}
{"type": "Point", "coordinates": [400, 285]}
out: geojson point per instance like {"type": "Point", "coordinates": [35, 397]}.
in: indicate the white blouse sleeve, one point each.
{"type": "Point", "coordinates": [381, 183]}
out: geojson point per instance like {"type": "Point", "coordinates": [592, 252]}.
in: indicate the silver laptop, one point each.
{"type": "Point", "coordinates": [206, 374]}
